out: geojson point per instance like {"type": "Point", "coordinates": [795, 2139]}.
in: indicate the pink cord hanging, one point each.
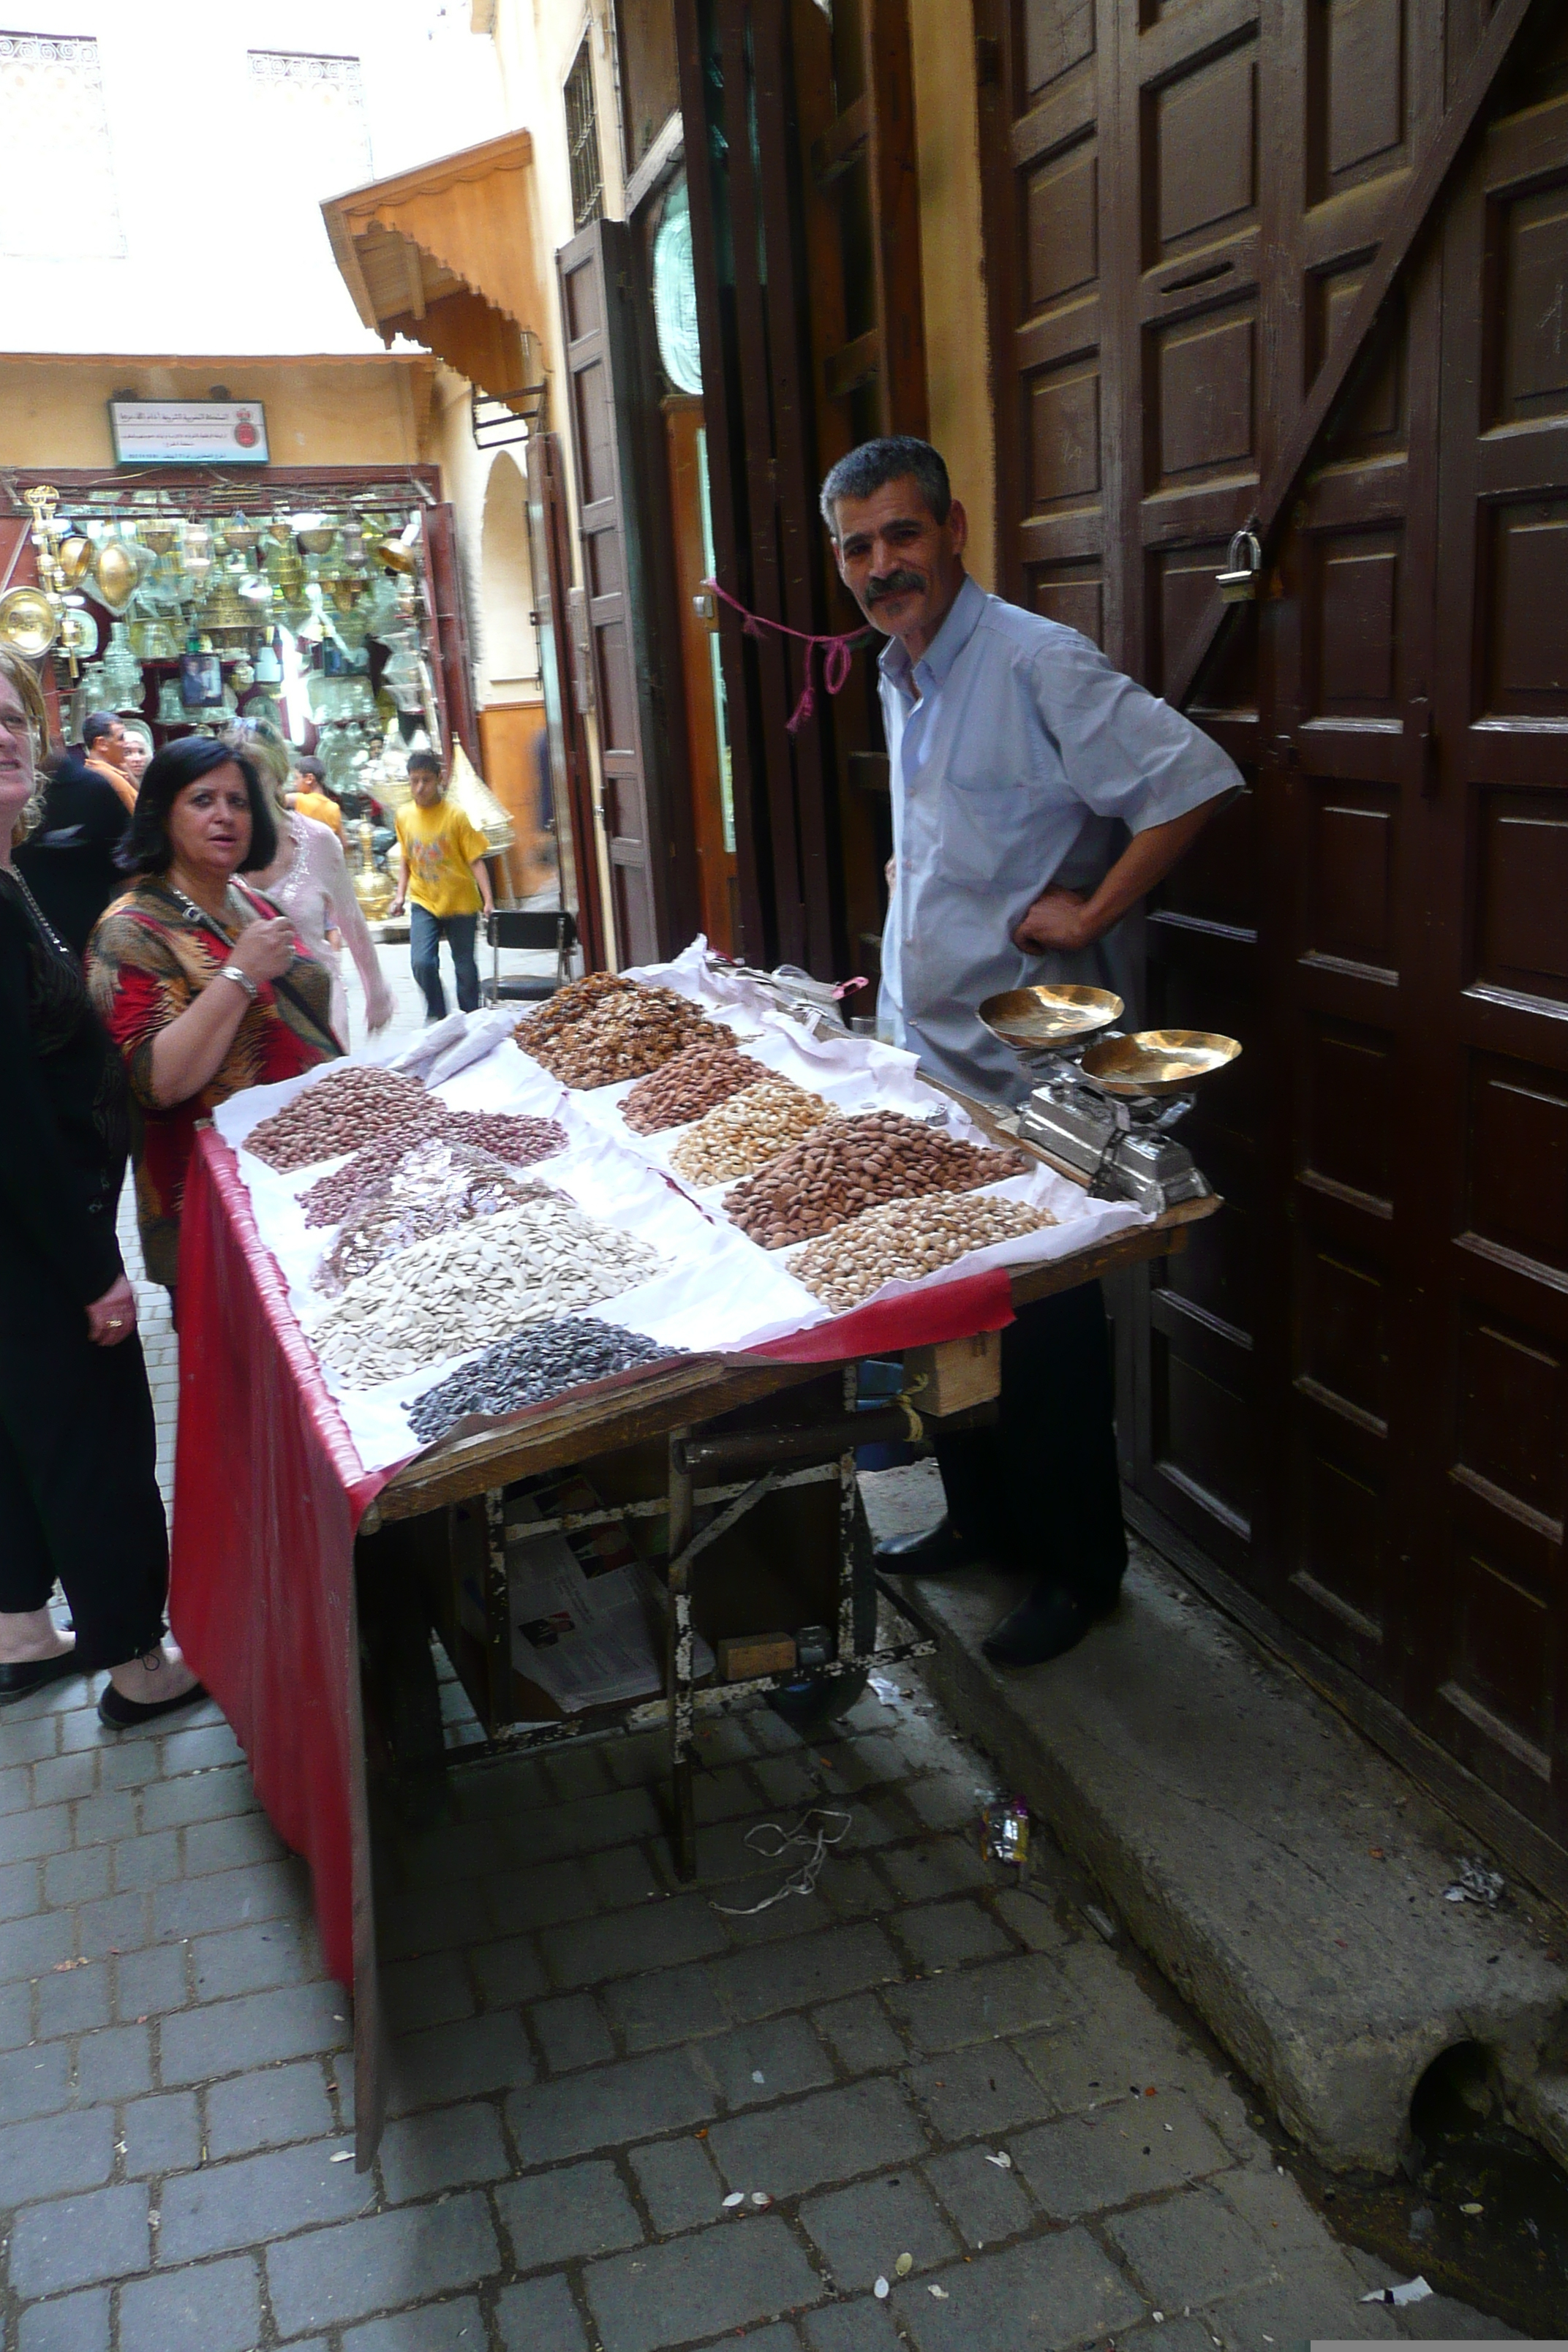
{"type": "Point", "coordinates": [836, 652]}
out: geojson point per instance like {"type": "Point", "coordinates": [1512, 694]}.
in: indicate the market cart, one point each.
{"type": "Point", "coordinates": [275, 1516]}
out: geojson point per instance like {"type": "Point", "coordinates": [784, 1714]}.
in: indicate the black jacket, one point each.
{"type": "Point", "coordinates": [69, 858]}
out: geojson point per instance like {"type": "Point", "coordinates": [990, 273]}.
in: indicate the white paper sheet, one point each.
{"type": "Point", "coordinates": [718, 1292]}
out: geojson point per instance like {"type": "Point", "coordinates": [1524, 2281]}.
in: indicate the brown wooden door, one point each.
{"type": "Point", "coordinates": [550, 560]}
{"type": "Point", "coordinates": [453, 678]}
{"type": "Point", "coordinates": [629, 689]}
{"type": "Point", "coordinates": [1353, 1392]}
{"type": "Point", "coordinates": [1488, 1617]}
{"type": "Point", "coordinates": [706, 738]}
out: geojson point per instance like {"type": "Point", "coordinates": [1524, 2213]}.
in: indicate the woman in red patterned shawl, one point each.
{"type": "Point", "coordinates": [204, 987]}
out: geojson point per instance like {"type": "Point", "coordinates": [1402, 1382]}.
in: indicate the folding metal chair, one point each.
{"type": "Point", "coordinates": [554, 930]}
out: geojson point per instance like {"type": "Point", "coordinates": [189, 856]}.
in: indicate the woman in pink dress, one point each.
{"type": "Point", "coordinates": [308, 882]}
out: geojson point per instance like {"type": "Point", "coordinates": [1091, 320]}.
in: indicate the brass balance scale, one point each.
{"type": "Point", "coordinates": [1108, 1100]}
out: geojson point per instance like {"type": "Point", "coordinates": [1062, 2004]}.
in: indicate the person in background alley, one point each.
{"type": "Point", "coordinates": [445, 875]}
{"type": "Point", "coordinates": [308, 882]}
{"type": "Point", "coordinates": [203, 988]}
{"type": "Point", "coordinates": [103, 748]}
{"type": "Point", "coordinates": [1020, 761]}
{"type": "Point", "coordinates": [312, 796]}
{"type": "Point", "coordinates": [79, 1493]}
{"type": "Point", "coordinates": [138, 751]}
{"type": "Point", "coordinates": [69, 852]}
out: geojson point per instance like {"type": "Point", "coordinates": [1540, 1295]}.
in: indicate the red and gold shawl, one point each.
{"type": "Point", "coordinates": [147, 962]}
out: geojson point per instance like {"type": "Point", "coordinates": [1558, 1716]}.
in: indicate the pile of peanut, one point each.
{"type": "Point", "coordinates": [906, 1239]}
{"type": "Point", "coordinates": [627, 1034]}
{"type": "Point", "coordinates": [349, 1106]}
{"type": "Point", "coordinates": [699, 1076]}
{"type": "Point", "coordinates": [753, 1128]}
{"type": "Point", "coordinates": [857, 1163]}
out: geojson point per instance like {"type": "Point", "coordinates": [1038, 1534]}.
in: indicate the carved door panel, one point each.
{"type": "Point", "coordinates": [1491, 1672]}
{"type": "Point", "coordinates": [1353, 1392]}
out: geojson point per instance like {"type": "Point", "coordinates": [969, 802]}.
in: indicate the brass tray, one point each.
{"type": "Point", "coordinates": [1158, 1061]}
{"type": "Point", "coordinates": [28, 622]}
{"type": "Point", "coordinates": [1035, 1020]}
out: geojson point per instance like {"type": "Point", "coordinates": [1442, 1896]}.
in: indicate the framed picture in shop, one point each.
{"type": "Point", "coordinates": [201, 680]}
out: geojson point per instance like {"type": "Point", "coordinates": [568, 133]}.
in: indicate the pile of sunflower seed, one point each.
{"type": "Point", "coordinates": [567, 1351]}
{"type": "Point", "coordinates": [463, 1289]}
{"type": "Point", "coordinates": [753, 1128]}
{"type": "Point", "coordinates": [435, 1186]}
{"type": "Point", "coordinates": [903, 1240]}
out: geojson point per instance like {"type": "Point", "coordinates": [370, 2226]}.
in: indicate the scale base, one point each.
{"type": "Point", "coordinates": [1117, 1144]}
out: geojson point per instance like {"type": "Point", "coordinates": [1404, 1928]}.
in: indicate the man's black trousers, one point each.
{"type": "Point", "coordinates": [1040, 1488]}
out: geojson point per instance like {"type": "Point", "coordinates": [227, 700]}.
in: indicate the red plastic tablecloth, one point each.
{"type": "Point", "coordinates": [269, 1493]}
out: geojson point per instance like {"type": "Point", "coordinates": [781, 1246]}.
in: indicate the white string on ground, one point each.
{"type": "Point", "coordinates": [815, 1844]}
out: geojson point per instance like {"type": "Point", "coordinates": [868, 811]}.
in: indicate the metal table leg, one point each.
{"type": "Point", "coordinates": [682, 1488]}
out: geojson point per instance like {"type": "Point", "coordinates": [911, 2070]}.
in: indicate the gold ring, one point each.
{"type": "Point", "coordinates": [115, 1323]}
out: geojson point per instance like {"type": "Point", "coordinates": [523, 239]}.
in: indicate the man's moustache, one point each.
{"type": "Point", "coordinates": [896, 583]}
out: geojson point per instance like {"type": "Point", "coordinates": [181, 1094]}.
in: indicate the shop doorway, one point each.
{"type": "Point", "coordinates": [707, 741]}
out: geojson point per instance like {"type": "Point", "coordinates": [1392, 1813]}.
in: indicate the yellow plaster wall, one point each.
{"type": "Point", "coordinates": [953, 261]}
{"type": "Point", "coordinates": [372, 411]}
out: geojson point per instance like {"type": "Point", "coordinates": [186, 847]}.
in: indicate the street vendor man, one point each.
{"type": "Point", "coordinates": [1037, 795]}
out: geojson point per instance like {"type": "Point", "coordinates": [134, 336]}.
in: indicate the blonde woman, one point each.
{"type": "Point", "coordinates": [308, 881]}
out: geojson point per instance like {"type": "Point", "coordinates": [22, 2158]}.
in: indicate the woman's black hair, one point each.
{"type": "Point", "coordinates": [147, 849]}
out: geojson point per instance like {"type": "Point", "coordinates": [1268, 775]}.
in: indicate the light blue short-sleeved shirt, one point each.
{"type": "Point", "coordinates": [1024, 754]}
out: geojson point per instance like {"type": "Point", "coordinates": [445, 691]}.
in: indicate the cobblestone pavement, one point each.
{"type": "Point", "coordinates": [589, 2060]}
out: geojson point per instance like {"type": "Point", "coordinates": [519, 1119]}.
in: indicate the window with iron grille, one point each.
{"type": "Point", "coordinates": [583, 141]}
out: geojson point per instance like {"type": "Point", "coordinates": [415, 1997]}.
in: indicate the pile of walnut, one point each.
{"type": "Point", "coordinates": [905, 1240]}
{"type": "Point", "coordinates": [699, 1076]}
{"type": "Point", "coordinates": [753, 1128]}
{"type": "Point", "coordinates": [620, 1032]}
{"type": "Point", "coordinates": [851, 1164]}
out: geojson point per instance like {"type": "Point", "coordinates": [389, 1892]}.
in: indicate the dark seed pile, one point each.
{"type": "Point", "coordinates": [349, 1106]}
{"type": "Point", "coordinates": [692, 1083]}
{"type": "Point", "coordinates": [544, 1360]}
{"type": "Point", "coordinates": [850, 1164]}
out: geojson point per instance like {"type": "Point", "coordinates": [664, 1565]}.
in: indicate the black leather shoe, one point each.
{"type": "Point", "coordinates": [30, 1675]}
{"type": "Point", "coordinates": [1047, 1623]}
{"type": "Point", "coordinates": [936, 1553]}
{"type": "Point", "coordinates": [125, 1714]}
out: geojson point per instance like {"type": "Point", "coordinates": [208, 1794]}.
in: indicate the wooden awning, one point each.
{"type": "Point", "coordinates": [446, 256]}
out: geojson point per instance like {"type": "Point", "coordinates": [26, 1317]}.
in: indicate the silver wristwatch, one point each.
{"type": "Point", "coordinates": [232, 971]}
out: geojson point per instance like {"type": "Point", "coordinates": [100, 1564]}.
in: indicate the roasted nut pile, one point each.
{"type": "Point", "coordinates": [857, 1163]}
{"type": "Point", "coordinates": [462, 1289]}
{"type": "Point", "coordinates": [347, 1108]}
{"type": "Point", "coordinates": [698, 1078]}
{"type": "Point", "coordinates": [435, 1186]}
{"type": "Point", "coordinates": [517, 1141]}
{"type": "Point", "coordinates": [568, 1005]}
{"type": "Point", "coordinates": [566, 1352]}
{"type": "Point", "coordinates": [904, 1239]}
{"type": "Point", "coordinates": [625, 1036]}
{"type": "Point", "coordinates": [753, 1128]}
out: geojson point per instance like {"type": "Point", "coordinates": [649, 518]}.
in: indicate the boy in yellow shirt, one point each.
{"type": "Point", "coordinates": [445, 875]}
